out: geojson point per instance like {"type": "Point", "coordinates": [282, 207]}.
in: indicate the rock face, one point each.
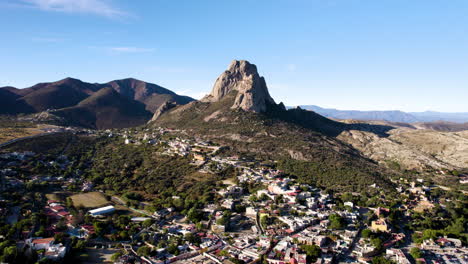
{"type": "Point", "coordinates": [252, 92]}
{"type": "Point", "coordinates": [416, 149]}
{"type": "Point", "coordinates": [162, 109]}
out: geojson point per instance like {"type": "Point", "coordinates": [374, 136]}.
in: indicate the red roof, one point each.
{"type": "Point", "coordinates": [58, 208]}
{"type": "Point", "coordinates": [43, 240]}
{"type": "Point", "coordinates": [443, 240]}
{"type": "Point", "coordinates": [63, 213]}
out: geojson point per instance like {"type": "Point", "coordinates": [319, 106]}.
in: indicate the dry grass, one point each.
{"type": "Point", "coordinates": [89, 200]}
{"type": "Point", "coordinates": [53, 196]}
{"type": "Point", "coordinates": [423, 205]}
{"type": "Point", "coordinates": [10, 133]}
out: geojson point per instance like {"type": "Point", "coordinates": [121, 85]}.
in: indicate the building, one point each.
{"type": "Point", "coordinates": [379, 225]}
{"type": "Point", "coordinates": [41, 243]}
{"type": "Point", "coordinates": [250, 211]}
{"type": "Point", "coordinates": [102, 211]}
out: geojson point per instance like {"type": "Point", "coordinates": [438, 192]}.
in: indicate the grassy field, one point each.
{"type": "Point", "coordinates": [89, 200]}
{"type": "Point", "coordinates": [10, 133]}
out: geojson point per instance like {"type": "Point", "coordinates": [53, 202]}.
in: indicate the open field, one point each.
{"type": "Point", "coordinates": [98, 255]}
{"type": "Point", "coordinates": [10, 133]}
{"type": "Point", "coordinates": [14, 132]}
{"type": "Point", "coordinates": [89, 200]}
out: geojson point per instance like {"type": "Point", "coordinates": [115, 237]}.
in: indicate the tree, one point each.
{"type": "Point", "coordinates": [80, 245]}
{"type": "Point", "coordinates": [264, 221]}
{"type": "Point", "coordinates": [41, 232]}
{"type": "Point", "coordinates": [9, 254]}
{"type": "Point", "coordinates": [59, 237]}
{"type": "Point", "coordinates": [124, 235]}
{"type": "Point", "coordinates": [144, 251]}
{"type": "Point", "coordinates": [194, 215]}
{"type": "Point", "coordinates": [224, 220]}
{"type": "Point", "coordinates": [253, 198]}
{"type": "Point", "coordinates": [194, 239]}
{"type": "Point", "coordinates": [429, 234]}
{"type": "Point", "coordinates": [381, 260]}
{"type": "Point", "coordinates": [116, 256]}
{"type": "Point", "coordinates": [312, 252]}
{"type": "Point", "coordinates": [147, 223]}
{"type": "Point", "coordinates": [336, 221]}
{"type": "Point", "coordinates": [99, 228]}
{"type": "Point", "coordinates": [173, 249]}
{"type": "Point", "coordinates": [377, 243]}
{"type": "Point", "coordinates": [366, 233]}
{"type": "Point", "coordinates": [415, 253]}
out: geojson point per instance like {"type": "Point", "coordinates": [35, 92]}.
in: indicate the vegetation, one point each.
{"type": "Point", "coordinates": [336, 221]}
{"type": "Point", "coordinates": [89, 200]}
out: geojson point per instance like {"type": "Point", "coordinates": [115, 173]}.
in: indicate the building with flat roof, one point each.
{"type": "Point", "coordinates": [102, 211]}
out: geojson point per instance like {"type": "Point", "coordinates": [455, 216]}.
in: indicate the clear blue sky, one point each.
{"type": "Point", "coordinates": [346, 54]}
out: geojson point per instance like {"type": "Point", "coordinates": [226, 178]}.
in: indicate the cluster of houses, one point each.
{"type": "Point", "coordinates": [275, 223]}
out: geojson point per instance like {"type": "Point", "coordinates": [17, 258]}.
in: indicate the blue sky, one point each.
{"type": "Point", "coordinates": [346, 54]}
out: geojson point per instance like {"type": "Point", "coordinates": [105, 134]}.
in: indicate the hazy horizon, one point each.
{"type": "Point", "coordinates": [356, 55]}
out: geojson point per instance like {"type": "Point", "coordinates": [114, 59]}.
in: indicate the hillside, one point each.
{"type": "Point", "coordinates": [69, 101]}
{"type": "Point", "coordinates": [151, 95]}
{"type": "Point", "coordinates": [106, 109]}
{"type": "Point", "coordinates": [239, 113]}
{"type": "Point", "coordinates": [413, 149]}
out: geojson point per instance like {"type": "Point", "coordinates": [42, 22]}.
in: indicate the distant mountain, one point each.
{"type": "Point", "coordinates": [390, 116]}
{"type": "Point", "coordinates": [431, 116]}
{"type": "Point", "coordinates": [116, 104]}
{"type": "Point", "coordinates": [442, 126]}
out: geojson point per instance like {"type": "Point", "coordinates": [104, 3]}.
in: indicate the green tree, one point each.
{"type": "Point", "coordinates": [194, 215]}
{"type": "Point", "coordinates": [173, 249]}
{"type": "Point", "coordinates": [336, 221]}
{"type": "Point", "coordinates": [381, 260]}
{"type": "Point", "coordinates": [415, 253]}
{"type": "Point", "coordinates": [144, 251]}
{"type": "Point", "coordinates": [116, 256]}
{"type": "Point", "coordinates": [377, 243]}
{"type": "Point", "coordinates": [366, 233]}
{"type": "Point", "coordinates": [312, 252]}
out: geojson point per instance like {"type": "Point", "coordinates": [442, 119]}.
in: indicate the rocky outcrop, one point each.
{"type": "Point", "coordinates": [243, 78]}
{"type": "Point", "coordinates": [162, 109]}
{"type": "Point", "coordinates": [413, 149]}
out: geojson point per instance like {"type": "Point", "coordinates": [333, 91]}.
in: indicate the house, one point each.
{"type": "Point", "coordinates": [41, 243]}
{"type": "Point", "coordinates": [55, 252]}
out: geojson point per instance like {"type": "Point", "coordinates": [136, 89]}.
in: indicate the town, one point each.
{"type": "Point", "coordinates": [262, 215]}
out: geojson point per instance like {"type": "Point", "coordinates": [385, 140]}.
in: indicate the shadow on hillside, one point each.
{"type": "Point", "coordinates": [311, 120]}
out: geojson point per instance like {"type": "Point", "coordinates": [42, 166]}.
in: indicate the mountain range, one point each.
{"type": "Point", "coordinates": [391, 116]}
{"type": "Point", "coordinates": [240, 113]}
{"type": "Point", "coordinates": [116, 104]}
